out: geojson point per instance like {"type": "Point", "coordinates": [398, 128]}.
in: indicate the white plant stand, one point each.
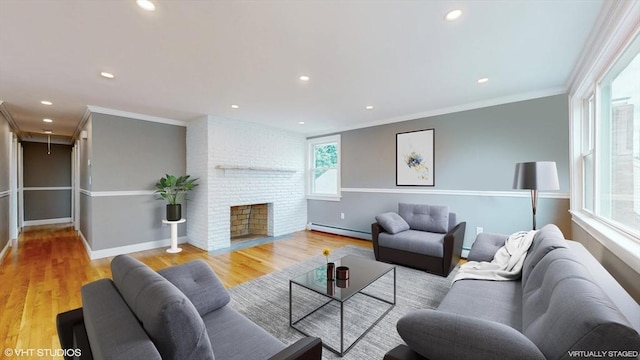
{"type": "Point", "coordinates": [174, 235]}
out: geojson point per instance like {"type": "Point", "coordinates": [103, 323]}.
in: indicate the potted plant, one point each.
{"type": "Point", "coordinates": [174, 189]}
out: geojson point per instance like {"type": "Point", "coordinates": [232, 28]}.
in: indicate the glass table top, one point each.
{"type": "Point", "coordinates": [362, 272]}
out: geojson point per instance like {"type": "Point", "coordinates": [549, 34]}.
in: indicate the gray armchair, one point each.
{"type": "Point", "coordinates": [419, 236]}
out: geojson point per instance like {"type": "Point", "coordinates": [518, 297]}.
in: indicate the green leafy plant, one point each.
{"type": "Point", "coordinates": [174, 189]}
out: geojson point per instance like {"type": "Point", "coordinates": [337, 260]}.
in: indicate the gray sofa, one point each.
{"type": "Point", "coordinates": [421, 236]}
{"type": "Point", "coordinates": [565, 306]}
{"type": "Point", "coordinates": [180, 312]}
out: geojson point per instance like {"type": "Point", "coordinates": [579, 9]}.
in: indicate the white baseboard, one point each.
{"type": "Point", "coordinates": [339, 231]}
{"type": "Point", "coordinates": [127, 249]}
{"type": "Point", "coordinates": [47, 221]}
{"type": "Point", "coordinates": [5, 250]}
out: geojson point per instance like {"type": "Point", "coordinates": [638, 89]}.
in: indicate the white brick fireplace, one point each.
{"type": "Point", "coordinates": [242, 163]}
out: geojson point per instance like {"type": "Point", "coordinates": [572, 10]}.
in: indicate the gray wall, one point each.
{"type": "Point", "coordinates": [46, 170]}
{"type": "Point", "coordinates": [5, 145]}
{"type": "Point", "coordinates": [127, 155]}
{"type": "Point", "coordinates": [475, 155]}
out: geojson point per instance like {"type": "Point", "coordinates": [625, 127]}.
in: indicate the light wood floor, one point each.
{"type": "Point", "coordinates": [43, 275]}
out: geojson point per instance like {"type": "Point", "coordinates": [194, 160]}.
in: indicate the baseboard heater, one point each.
{"type": "Point", "coordinates": [340, 231]}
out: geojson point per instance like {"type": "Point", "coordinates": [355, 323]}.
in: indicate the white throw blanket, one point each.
{"type": "Point", "coordinates": [507, 262]}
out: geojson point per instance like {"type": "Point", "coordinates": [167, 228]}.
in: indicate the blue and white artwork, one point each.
{"type": "Point", "coordinates": [415, 158]}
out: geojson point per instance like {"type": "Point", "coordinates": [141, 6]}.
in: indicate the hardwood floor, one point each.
{"type": "Point", "coordinates": [43, 275]}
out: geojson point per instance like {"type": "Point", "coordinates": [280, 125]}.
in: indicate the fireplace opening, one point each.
{"type": "Point", "coordinates": [249, 222]}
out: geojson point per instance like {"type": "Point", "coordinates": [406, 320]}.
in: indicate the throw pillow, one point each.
{"type": "Point", "coordinates": [392, 222]}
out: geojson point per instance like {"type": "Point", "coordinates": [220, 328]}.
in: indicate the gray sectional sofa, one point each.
{"type": "Point", "coordinates": [180, 312]}
{"type": "Point", "coordinates": [565, 306]}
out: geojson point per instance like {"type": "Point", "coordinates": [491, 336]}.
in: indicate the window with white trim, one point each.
{"type": "Point", "coordinates": [617, 190]}
{"type": "Point", "coordinates": [323, 168]}
{"type": "Point", "coordinates": [610, 145]}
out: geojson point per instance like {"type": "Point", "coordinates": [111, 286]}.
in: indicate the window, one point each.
{"type": "Point", "coordinates": [617, 160]}
{"type": "Point", "coordinates": [609, 145]}
{"type": "Point", "coordinates": [323, 177]}
{"type": "Point", "coordinates": [587, 154]}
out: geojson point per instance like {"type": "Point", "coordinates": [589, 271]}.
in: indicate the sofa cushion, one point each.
{"type": "Point", "coordinates": [564, 310]}
{"type": "Point", "coordinates": [419, 242]}
{"type": "Point", "coordinates": [226, 327]}
{"type": "Point", "coordinates": [200, 284]}
{"type": "Point", "coordinates": [422, 217]}
{"type": "Point", "coordinates": [546, 239]}
{"type": "Point", "coordinates": [392, 222]}
{"type": "Point", "coordinates": [499, 301]}
{"type": "Point", "coordinates": [167, 315]}
{"type": "Point", "coordinates": [440, 335]}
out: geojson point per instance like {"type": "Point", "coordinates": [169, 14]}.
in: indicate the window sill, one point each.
{"type": "Point", "coordinates": [620, 244]}
{"type": "Point", "coordinates": [325, 197]}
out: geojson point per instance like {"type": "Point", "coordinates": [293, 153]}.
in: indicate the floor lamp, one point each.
{"type": "Point", "coordinates": [534, 176]}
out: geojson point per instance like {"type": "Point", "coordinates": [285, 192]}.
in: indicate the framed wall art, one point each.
{"type": "Point", "coordinates": [415, 158]}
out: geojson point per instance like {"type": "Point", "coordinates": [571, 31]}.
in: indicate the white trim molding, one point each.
{"type": "Point", "coordinates": [47, 188]}
{"type": "Point", "coordinates": [5, 250]}
{"type": "Point", "coordinates": [339, 231]}
{"type": "Point", "coordinates": [621, 246]}
{"type": "Point", "coordinates": [117, 193]}
{"type": "Point", "coordinates": [453, 109]}
{"type": "Point", "coordinates": [114, 112]}
{"type": "Point", "coordinates": [518, 194]}
{"type": "Point", "coordinates": [127, 249]}
{"type": "Point", "coordinates": [47, 221]}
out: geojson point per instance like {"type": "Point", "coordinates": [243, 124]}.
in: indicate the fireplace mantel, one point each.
{"type": "Point", "coordinates": [253, 168]}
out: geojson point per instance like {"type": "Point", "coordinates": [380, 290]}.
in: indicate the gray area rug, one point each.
{"type": "Point", "coordinates": [265, 301]}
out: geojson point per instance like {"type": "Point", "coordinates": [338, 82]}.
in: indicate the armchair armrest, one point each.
{"type": "Point", "coordinates": [485, 246]}
{"type": "Point", "coordinates": [376, 229]}
{"type": "Point", "coordinates": [453, 246]}
{"type": "Point", "coordinates": [308, 348]}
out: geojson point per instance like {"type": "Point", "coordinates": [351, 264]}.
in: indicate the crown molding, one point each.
{"type": "Point", "coordinates": [617, 24]}
{"type": "Point", "coordinates": [81, 125]}
{"type": "Point", "coordinates": [115, 112]}
{"type": "Point", "coordinates": [12, 124]}
{"type": "Point", "coordinates": [450, 110]}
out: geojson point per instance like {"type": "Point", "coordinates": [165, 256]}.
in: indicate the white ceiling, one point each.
{"type": "Point", "coordinates": [191, 58]}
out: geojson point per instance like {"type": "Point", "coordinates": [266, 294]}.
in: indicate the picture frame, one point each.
{"type": "Point", "coordinates": [415, 158]}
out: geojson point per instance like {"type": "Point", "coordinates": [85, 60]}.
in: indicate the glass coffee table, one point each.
{"type": "Point", "coordinates": [363, 273]}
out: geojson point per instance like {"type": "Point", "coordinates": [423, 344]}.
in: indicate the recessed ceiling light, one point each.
{"type": "Point", "coordinates": [369, 107]}
{"type": "Point", "coordinates": [46, 102]}
{"type": "Point", "coordinates": [453, 14]}
{"type": "Point", "coordinates": [48, 132]}
{"type": "Point", "coordinates": [107, 75]}
{"type": "Point", "coordinates": [146, 5]}
{"type": "Point", "coordinates": [300, 122]}
{"type": "Point", "coordinates": [47, 120]}
{"type": "Point", "coordinates": [304, 78]}
{"type": "Point", "coordinates": [483, 80]}
{"type": "Point", "coordinates": [234, 106]}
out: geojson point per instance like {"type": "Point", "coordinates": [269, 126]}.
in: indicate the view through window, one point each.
{"type": "Point", "coordinates": [618, 150]}
{"type": "Point", "coordinates": [324, 174]}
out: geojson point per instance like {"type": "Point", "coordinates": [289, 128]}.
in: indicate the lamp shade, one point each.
{"type": "Point", "coordinates": [536, 175]}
